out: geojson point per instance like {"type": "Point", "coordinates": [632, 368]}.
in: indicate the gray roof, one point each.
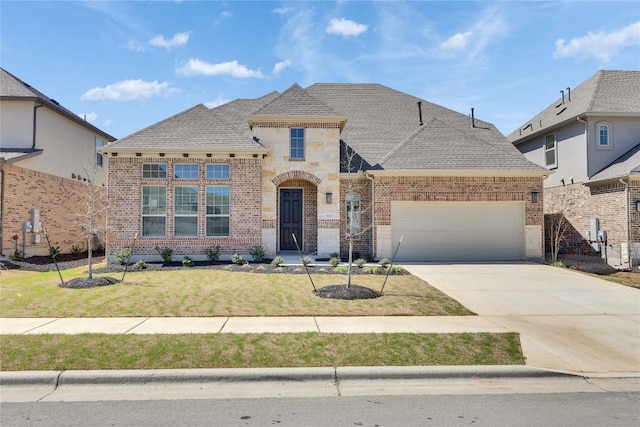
{"type": "Point", "coordinates": [14, 89]}
{"type": "Point", "coordinates": [627, 164]}
{"type": "Point", "coordinates": [607, 92]}
{"type": "Point", "coordinates": [382, 127]}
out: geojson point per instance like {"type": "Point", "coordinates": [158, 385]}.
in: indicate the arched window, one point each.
{"type": "Point", "coordinates": [604, 135]}
{"type": "Point", "coordinates": [353, 214]}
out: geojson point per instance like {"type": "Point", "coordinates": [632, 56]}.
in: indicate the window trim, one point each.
{"type": "Point", "coordinates": [177, 215]}
{"type": "Point", "coordinates": [302, 140]}
{"type": "Point", "coordinates": [206, 172]}
{"type": "Point", "coordinates": [553, 165]}
{"type": "Point", "coordinates": [609, 144]}
{"type": "Point", "coordinates": [208, 215]}
{"type": "Point", "coordinates": [143, 215]}
{"type": "Point", "coordinates": [175, 168]}
{"type": "Point", "coordinates": [349, 200]}
{"type": "Point", "coordinates": [99, 157]}
{"type": "Point", "coordinates": [151, 171]}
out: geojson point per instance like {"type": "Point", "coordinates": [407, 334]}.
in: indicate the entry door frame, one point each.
{"type": "Point", "coordinates": [285, 243]}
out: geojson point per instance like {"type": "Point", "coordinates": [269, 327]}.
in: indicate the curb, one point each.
{"type": "Point", "coordinates": [249, 375]}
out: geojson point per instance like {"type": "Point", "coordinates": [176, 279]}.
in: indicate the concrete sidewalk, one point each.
{"type": "Point", "coordinates": [240, 325]}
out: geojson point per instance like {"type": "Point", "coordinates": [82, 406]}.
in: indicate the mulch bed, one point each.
{"type": "Point", "coordinates": [351, 293]}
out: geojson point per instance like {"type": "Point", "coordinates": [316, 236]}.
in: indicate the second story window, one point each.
{"type": "Point", "coordinates": [99, 158]}
{"type": "Point", "coordinates": [154, 170]}
{"type": "Point", "coordinates": [550, 151]}
{"type": "Point", "coordinates": [604, 136]}
{"type": "Point", "coordinates": [297, 143]}
{"type": "Point", "coordinates": [185, 171]}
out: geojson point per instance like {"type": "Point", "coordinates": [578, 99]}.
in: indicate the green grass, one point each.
{"type": "Point", "coordinates": [99, 351]}
{"type": "Point", "coordinates": [208, 292]}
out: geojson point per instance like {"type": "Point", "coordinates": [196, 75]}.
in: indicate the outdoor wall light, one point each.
{"type": "Point", "coordinates": [329, 198]}
{"type": "Point", "coordinates": [535, 196]}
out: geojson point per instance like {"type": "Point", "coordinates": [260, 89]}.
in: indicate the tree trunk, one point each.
{"type": "Point", "coordinates": [350, 260]}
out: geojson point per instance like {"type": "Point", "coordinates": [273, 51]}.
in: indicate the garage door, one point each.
{"type": "Point", "coordinates": [458, 231]}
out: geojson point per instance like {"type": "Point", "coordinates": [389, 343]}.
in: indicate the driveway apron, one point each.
{"type": "Point", "coordinates": [567, 320]}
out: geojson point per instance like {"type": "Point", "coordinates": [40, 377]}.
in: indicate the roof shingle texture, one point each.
{"type": "Point", "coordinates": [627, 164]}
{"type": "Point", "coordinates": [607, 91]}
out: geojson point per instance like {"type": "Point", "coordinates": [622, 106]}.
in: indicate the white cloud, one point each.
{"type": "Point", "coordinates": [216, 102]}
{"type": "Point", "coordinates": [281, 10]}
{"type": "Point", "coordinates": [221, 18]}
{"type": "Point", "coordinates": [280, 66]}
{"type": "Point", "coordinates": [601, 45]}
{"type": "Point", "coordinates": [195, 67]}
{"type": "Point", "coordinates": [89, 117]}
{"type": "Point", "coordinates": [178, 40]}
{"type": "Point", "coordinates": [457, 41]}
{"type": "Point", "coordinates": [129, 90]}
{"type": "Point", "coordinates": [345, 27]}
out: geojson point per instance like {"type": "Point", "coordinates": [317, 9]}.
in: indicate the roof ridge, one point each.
{"type": "Point", "coordinates": [404, 142]}
{"type": "Point", "coordinates": [599, 77]}
{"type": "Point", "coordinates": [288, 92]}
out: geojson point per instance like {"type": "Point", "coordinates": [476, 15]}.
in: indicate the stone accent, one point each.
{"type": "Point", "coordinates": [59, 200]}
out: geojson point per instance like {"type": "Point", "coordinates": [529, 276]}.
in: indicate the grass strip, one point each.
{"type": "Point", "coordinates": [206, 292]}
{"type": "Point", "coordinates": [101, 351]}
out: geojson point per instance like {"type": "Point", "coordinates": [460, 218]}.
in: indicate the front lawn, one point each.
{"type": "Point", "coordinates": [206, 292]}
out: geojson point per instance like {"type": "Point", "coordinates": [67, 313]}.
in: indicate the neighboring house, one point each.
{"type": "Point", "coordinates": [44, 151]}
{"type": "Point", "coordinates": [257, 171]}
{"type": "Point", "coordinates": [590, 138]}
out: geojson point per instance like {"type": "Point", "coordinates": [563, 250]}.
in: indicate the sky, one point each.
{"type": "Point", "coordinates": [126, 65]}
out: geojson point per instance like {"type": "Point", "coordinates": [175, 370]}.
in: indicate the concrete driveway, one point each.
{"type": "Point", "coordinates": [567, 320]}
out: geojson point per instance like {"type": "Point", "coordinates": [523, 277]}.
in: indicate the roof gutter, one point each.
{"type": "Point", "coordinates": [35, 110]}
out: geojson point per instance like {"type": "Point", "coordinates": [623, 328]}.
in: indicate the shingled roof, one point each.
{"type": "Point", "coordinates": [625, 165]}
{"type": "Point", "coordinates": [608, 92]}
{"type": "Point", "coordinates": [14, 89]}
{"type": "Point", "coordinates": [382, 126]}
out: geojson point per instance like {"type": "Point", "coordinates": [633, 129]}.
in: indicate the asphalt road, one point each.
{"type": "Point", "coordinates": [514, 410]}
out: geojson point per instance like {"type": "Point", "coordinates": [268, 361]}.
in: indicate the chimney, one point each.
{"type": "Point", "coordinates": [420, 112]}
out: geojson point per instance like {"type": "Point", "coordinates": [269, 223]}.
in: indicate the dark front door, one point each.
{"type": "Point", "coordinates": [290, 218]}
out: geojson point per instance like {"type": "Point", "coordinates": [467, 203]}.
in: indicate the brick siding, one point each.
{"type": "Point", "coordinates": [363, 243]}
{"type": "Point", "coordinates": [61, 202]}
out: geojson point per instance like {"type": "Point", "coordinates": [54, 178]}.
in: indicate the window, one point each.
{"type": "Point", "coordinates": [353, 214]}
{"type": "Point", "coordinates": [154, 170]}
{"type": "Point", "coordinates": [217, 171]}
{"type": "Point", "coordinates": [185, 171]}
{"type": "Point", "coordinates": [218, 211]}
{"type": "Point", "coordinates": [604, 136]}
{"type": "Point", "coordinates": [154, 210]}
{"type": "Point", "coordinates": [185, 206]}
{"type": "Point", "coordinates": [550, 151]}
{"type": "Point", "coordinates": [99, 158]}
{"type": "Point", "coordinates": [297, 143]}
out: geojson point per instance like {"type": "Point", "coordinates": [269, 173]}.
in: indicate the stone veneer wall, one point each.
{"type": "Point", "coordinates": [125, 193]}
{"type": "Point", "coordinates": [458, 188]}
{"type": "Point", "coordinates": [59, 200]}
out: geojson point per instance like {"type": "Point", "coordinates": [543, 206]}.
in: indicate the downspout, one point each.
{"type": "Point", "coordinates": [2, 221]}
{"type": "Point", "coordinates": [373, 214]}
{"type": "Point", "coordinates": [627, 225]}
{"type": "Point", "coordinates": [35, 108]}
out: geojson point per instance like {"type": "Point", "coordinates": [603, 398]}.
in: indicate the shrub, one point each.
{"type": "Point", "coordinates": [307, 260]}
{"type": "Point", "coordinates": [558, 264]}
{"type": "Point", "coordinates": [334, 262]}
{"type": "Point", "coordinates": [369, 257]}
{"type": "Point", "coordinates": [187, 262]}
{"type": "Point", "coordinates": [75, 250]}
{"type": "Point", "coordinates": [239, 259]}
{"type": "Point", "coordinates": [258, 253]}
{"type": "Point", "coordinates": [165, 254]}
{"type": "Point", "coordinates": [277, 261]}
{"type": "Point", "coordinates": [54, 251]}
{"type": "Point", "coordinates": [384, 262]}
{"type": "Point", "coordinates": [122, 255]}
{"type": "Point", "coordinates": [341, 269]}
{"type": "Point", "coordinates": [213, 253]}
{"type": "Point", "coordinates": [360, 262]}
{"type": "Point", "coordinates": [396, 269]}
{"type": "Point", "coordinates": [17, 255]}
{"type": "Point", "coordinates": [371, 269]}
{"type": "Point", "coordinates": [140, 265]}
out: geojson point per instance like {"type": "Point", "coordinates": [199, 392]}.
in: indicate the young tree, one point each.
{"type": "Point", "coordinates": [557, 226]}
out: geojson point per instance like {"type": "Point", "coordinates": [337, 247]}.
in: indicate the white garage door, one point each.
{"type": "Point", "coordinates": [458, 231]}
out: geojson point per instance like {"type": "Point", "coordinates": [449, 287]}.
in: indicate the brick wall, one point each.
{"type": "Point", "coordinates": [363, 243]}
{"type": "Point", "coordinates": [125, 193]}
{"type": "Point", "coordinates": [63, 210]}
